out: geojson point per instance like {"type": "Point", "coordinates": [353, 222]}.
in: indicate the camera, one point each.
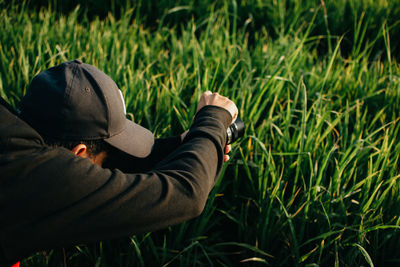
{"type": "Point", "coordinates": [234, 131]}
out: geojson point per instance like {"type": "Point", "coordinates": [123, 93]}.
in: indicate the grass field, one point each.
{"type": "Point", "coordinates": [314, 181]}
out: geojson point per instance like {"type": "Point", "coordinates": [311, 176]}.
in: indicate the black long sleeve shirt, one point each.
{"type": "Point", "coordinates": [51, 198]}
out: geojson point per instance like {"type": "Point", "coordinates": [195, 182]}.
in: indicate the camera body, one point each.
{"type": "Point", "coordinates": [234, 131]}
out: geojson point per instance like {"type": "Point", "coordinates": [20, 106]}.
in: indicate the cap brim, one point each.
{"type": "Point", "coordinates": [134, 140]}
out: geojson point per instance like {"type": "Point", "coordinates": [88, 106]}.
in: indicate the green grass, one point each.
{"type": "Point", "coordinates": [315, 179]}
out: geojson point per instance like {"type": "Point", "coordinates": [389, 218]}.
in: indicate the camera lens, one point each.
{"type": "Point", "coordinates": [234, 131]}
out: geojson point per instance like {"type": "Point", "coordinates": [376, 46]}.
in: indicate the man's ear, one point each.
{"type": "Point", "coordinates": [80, 150]}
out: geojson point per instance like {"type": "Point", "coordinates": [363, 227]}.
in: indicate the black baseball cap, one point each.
{"type": "Point", "coordinates": [77, 101]}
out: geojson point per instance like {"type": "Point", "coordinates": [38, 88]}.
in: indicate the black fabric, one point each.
{"type": "Point", "coordinates": [6, 105]}
{"type": "Point", "coordinates": [82, 103]}
{"type": "Point", "coordinates": [51, 198]}
{"type": "Point", "coordinates": [130, 164]}
{"type": "Point", "coordinates": [73, 101]}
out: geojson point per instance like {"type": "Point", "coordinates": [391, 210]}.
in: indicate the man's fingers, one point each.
{"type": "Point", "coordinates": [215, 99]}
{"type": "Point", "coordinates": [226, 158]}
{"type": "Point", "coordinates": [228, 148]}
{"type": "Point", "coordinates": [204, 97]}
{"type": "Point", "coordinates": [234, 113]}
{"type": "Point", "coordinates": [204, 100]}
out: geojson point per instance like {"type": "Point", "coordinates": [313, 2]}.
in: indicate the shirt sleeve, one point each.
{"type": "Point", "coordinates": [66, 200]}
{"type": "Point", "coordinates": [129, 164]}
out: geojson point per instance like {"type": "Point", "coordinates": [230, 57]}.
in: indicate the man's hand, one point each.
{"type": "Point", "coordinates": [218, 100]}
{"type": "Point", "coordinates": [228, 149]}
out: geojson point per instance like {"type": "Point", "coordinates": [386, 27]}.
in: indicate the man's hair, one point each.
{"type": "Point", "coordinates": [94, 147]}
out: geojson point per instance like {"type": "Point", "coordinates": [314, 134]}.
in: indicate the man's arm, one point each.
{"type": "Point", "coordinates": [129, 164]}
{"type": "Point", "coordinates": [65, 200]}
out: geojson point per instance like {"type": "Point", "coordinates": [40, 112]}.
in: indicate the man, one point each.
{"type": "Point", "coordinates": [52, 197]}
